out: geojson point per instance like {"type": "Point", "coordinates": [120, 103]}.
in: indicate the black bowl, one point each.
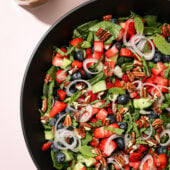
{"type": "Point", "coordinates": [60, 33]}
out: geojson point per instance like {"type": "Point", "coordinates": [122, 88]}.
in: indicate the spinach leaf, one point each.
{"type": "Point", "coordinates": [98, 77]}
{"type": "Point", "coordinates": [151, 20]}
{"type": "Point", "coordinates": [139, 26]}
{"type": "Point", "coordinates": [116, 90]}
{"type": "Point", "coordinates": [114, 130]}
{"type": "Point", "coordinates": [75, 96]}
{"type": "Point", "coordinates": [55, 164]}
{"type": "Point", "coordinates": [87, 139]}
{"type": "Point", "coordinates": [87, 151]}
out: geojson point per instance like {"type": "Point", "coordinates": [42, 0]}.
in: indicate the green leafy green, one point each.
{"type": "Point", "coordinates": [139, 26]}
{"type": "Point", "coordinates": [112, 28]}
{"type": "Point", "coordinates": [75, 96]}
{"type": "Point", "coordinates": [146, 68]}
{"type": "Point", "coordinates": [90, 37]}
{"type": "Point", "coordinates": [87, 139]}
{"type": "Point", "coordinates": [141, 142]}
{"type": "Point", "coordinates": [152, 30]}
{"type": "Point", "coordinates": [106, 103]}
{"type": "Point", "coordinates": [127, 66]}
{"type": "Point", "coordinates": [132, 15]}
{"type": "Point", "coordinates": [98, 123]}
{"type": "Point", "coordinates": [74, 123]}
{"type": "Point", "coordinates": [51, 71]}
{"type": "Point", "coordinates": [98, 77]}
{"type": "Point", "coordinates": [55, 164]}
{"type": "Point", "coordinates": [151, 20]}
{"type": "Point", "coordinates": [87, 151]}
{"type": "Point", "coordinates": [85, 44]}
{"type": "Point", "coordinates": [166, 73]}
{"type": "Point", "coordinates": [114, 130]}
{"type": "Point", "coordinates": [45, 89]}
{"type": "Point", "coordinates": [116, 90]}
{"type": "Point", "coordinates": [166, 119]}
{"type": "Point", "coordinates": [162, 45]}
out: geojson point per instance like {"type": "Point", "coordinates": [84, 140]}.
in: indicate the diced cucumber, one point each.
{"type": "Point", "coordinates": [88, 161]}
{"type": "Point", "coordinates": [66, 62]}
{"type": "Point", "coordinates": [142, 103]}
{"type": "Point", "coordinates": [48, 134]}
{"type": "Point", "coordinates": [68, 155]}
{"type": "Point", "coordinates": [99, 86]}
{"type": "Point", "coordinates": [78, 166]}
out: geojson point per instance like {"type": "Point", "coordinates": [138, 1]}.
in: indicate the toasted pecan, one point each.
{"type": "Point", "coordinates": [139, 74]}
{"type": "Point", "coordinates": [157, 122]}
{"type": "Point", "coordinates": [130, 75]}
{"type": "Point", "coordinates": [48, 78]}
{"type": "Point", "coordinates": [67, 121]}
{"type": "Point", "coordinates": [80, 132]}
{"type": "Point", "coordinates": [131, 87]}
{"type": "Point", "coordinates": [44, 105]}
{"type": "Point", "coordinates": [102, 34]}
{"type": "Point", "coordinates": [85, 125]}
{"type": "Point", "coordinates": [104, 162]}
{"type": "Point", "coordinates": [107, 17]}
{"type": "Point", "coordinates": [108, 71]}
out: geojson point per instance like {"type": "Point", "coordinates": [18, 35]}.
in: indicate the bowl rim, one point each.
{"type": "Point", "coordinates": [28, 146]}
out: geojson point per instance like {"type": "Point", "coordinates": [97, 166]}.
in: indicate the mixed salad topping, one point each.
{"type": "Point", "coordinates": [106, 100]}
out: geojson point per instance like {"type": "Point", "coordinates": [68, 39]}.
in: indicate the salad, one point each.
{"type": "Point", "coordinates": [106, 100]}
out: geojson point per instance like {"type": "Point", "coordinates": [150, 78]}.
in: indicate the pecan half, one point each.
{"type": "Point", "coordinates": [156, 108]}
{"type": "Point", "coordinates": [119, 114]}
{"type": "Point", "coordinates": [80, 132]}
{"type": "Point", "coordinates": [107, 18]}
{"type": "Point", "coordinates": [157, 123]}
{"type": "Point", "coordinates": [130, 75]}
{"type": "Point", "coordinates": [97, 151]}
{"type": "Point", "coordinates": [66, 83]}
{"type": "Point", "coordinates": [67, 121]}
{"type": "Point", "coordinates": [151, 142]}
{"type": "Point", "coordinates": [85, 125]}
{"type": "Point", "coordinates": [138, 74]}
{"type": "Point", "coordinates": [105, 123]}
{"type": "Point", "coordinates": [137, 63]}
{"type": "Point", "coordinates": [108, 71]}
{"type": "Point", "coordinates": [76, 115]}
{"type": "Point", "coordinates": [119, 159]}
{"type": "Point", "coordinates": [104, 162]}
{"type": "Point", "coordinates": [102, 34]}
{"type": "Point", "coordinates": [44, 105]}
{"type": "Point", "coordinates": [131, 87]}
{"type": "Point", "coordinates": [48, 78]}
{"type": "Point", "coordinates": [123, 85]}
{"type": "Point", "coordinates": [145, 93]}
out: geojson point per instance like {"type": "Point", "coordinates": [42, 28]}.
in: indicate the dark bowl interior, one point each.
{"type": "Point", "coordinates": [60, 33]}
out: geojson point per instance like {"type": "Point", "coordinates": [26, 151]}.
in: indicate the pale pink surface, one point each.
{"type": "Point", "coordinates": [20, 30]}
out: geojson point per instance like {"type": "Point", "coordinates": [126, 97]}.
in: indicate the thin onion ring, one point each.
{"type": "Point", "coordinates": [150, 134]}
{"type": "Point", "coordinates": [146, 158]}
{"type": "Point", "coordinates": [167, 131]}
{"type": "Point", "coordinates": [83, 117]}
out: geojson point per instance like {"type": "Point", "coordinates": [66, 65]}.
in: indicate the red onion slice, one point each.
{"type": "Point", "coordinates": [146, 158]}
{"type": "Point", "coordinates": [150, 134]}
{"type": "Point", "coordinates": [76, 81]}
{"type": "Point", "coordinates": [59, 77]}
{"type": "Point", "coordinates": [143, 112]}
{"type": "Point", "coordinates": [167, 131]}
{"type": "Point", "coordinates": [127, 138]}
{"type": "Point", "coordinates": [85, 117]}
{"type": "Point", "coordinates": [91, 60]}
{"type": "Point", "coordinates": [139, 84]}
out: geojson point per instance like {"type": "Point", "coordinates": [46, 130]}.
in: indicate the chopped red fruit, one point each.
{"type": "Point", "coordinates": [161, 81]}
{"type": "Point", "coordinates": [121, 33]}
{"type": "Point", "coordinates": [46, 146]}
{"type": "Point", "coordinates": [139, 124]}
{"type": "Point", "coordinates": [98, 46]}
{"type": "Point", "coordinates": [76, 41]}
{"type": "Point", "coordinates": [109, 85]}
{"type": "Point", "coordinates": [133, 94]}
{"type": "Point", "coordinates": [110, 111]}
{"type": "Point", "coordinates": [95, 110]}
{"type": "Point", "coordinates": [59, 55]}
{"type": "Point", "coordinates": [107, 146]}
{"type": "Point", "coordinates": [159, 68]}
{"type": "Point", "coordinates": [134, 165]}
{"type": "Point", "coordinates": [88, 51]}
{"type": "Point", "coordinates": [125, 52]}
{"type": "Point", "coordinates": [160, 160]}
{"type": "Point", "coordinates": [77, 64]}
{"type": "Point", "coordinates": [125, 78]}
{"type": "Point", "coordinates": [147, 165]}
{"type": "Point", "coordinates": [61, 94]}
{"type": "Point", "coordinates": [92, 95]}
{"type": "Point", "coordinates": [60, 77]}
{"type": "Point", "coordinates": [57, 61]}
{"type": "Point", "coordinates": [142, 148]}
{"type": "Point", "coordinates": [134, 157]}
{"type": "Point", "coordinates": [117, 83]}
{"type": "Point", "coordinates": [130, 27]}
{"type": "Point", "coordinates": [111, 52]}
{"type": "Point", "coordinates": [102, 114]}
{"type": "Point", "coordinates": [94, 142]}
{"type": "Point", "coordinates": [97, 55]}
{"type": "Point", "coordinates": [93, 120]}
{"type": "Point", "coordinates": [127, 167]}
{"type": "Point", "coordinates": [58, 107]}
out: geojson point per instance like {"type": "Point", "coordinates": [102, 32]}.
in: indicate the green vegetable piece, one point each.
{"type": "Point", "coordinates": [99, 86]}
{"type": "Point", "coordinates": [116, 90]}
{"type": "Point", "coordinates": [87, 139]}
{"type": "Point", "coordinates": [68, 155]}
{"type": "Point", "coordinates": [162, 45]}
{"type": "Point", "coordinates": [98, 123]}
{"type": "Point", "coordinates": [90, 37]}
{"type": "Point", "coordinates": [75, 96]}
{"type": "Point", "coordinates": [152, 30]}
{"type": "Point", "coordinates": [86, 44]}
{"type": "Point", "coordinates": [151, 20]}
{"type": "Point", "coordinates": [48, 134]}
{"type": "Point", "coordinates": [141, 142]}
{"type": "Point", "coordinates": [142, 103]}
{"type": "Point", "coordinates": [115, 130]}
{"type": "Point", "coordinates": [78, 166]}
{"type": "Point", "coordinates": [98, 77]}
{"type": "Point", "coordinates": [127, 66]}
{"type": "Point", "coordinates": [87, 151]}
{"type": "Point", "coordinates": [88, 161]}
{"type": "Point", "coordinates": [55, 164]}
{"type": "Point", "coordinates": [138, 25]}
{"type": "Point", "coordinates": [66, 63]}
{"type": "Point", "coordinates": [112, 28]}
{"type": "Point", "coordinates": [145, 67]}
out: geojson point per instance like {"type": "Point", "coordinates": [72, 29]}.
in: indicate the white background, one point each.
{"type": "Point", "coordinates": [20, 30]}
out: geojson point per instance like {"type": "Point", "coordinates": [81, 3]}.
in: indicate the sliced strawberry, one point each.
{"type": "Point", "coordinates": [135, 165]}
{"type": "Point", "coordinates": [64, 50]}
{"type": "Point", "coordinates": [159, 68]}
{"type": "Point", "coordinates": [107, 146]}
{"type": "Point", "coordinates": [109, 85]}
{"type": "Point", "coordinates": [57, 61]}
{"type": "Point", "coordinates": [142, 148]}
{"type": "Point", "coordinates": [102, 114]}
{"type": "Point", "coordinates": [125, 78]}
{"type": "Point", "coordinates": [58, 107]}
{"type": "Point", "coordinates": [163, 72]}
{"type": "Point", "coordinates": [110, 111]}
{"type": "Point", "coordinates": [133, 94]}
{"type": "Point", "coordinates": [93, 120]}
{"type": "Point", "coordinates": [97, 55]}
{"type": "Point", "coordinates": [101, 133]}
{"type": "Point", "coordinates": [77, 64]}
{"type": "Point", "coordinates": [134, 157]}
{"type": "Point", "coordinates": [139, 123]}
{"type": "Point", "coordinates": [160, 160]}
{"type": "Point", "coordinates": [98, 46]}
{"type": "Point", "coordinates": [130, 27]}
{"type": "Point", "coordinates": [125, 52]}
{"type": "Point", "coordinates": [76, 41]}
{"type": "Point", "coordinates": [160, 81]}
{"type": "Point", "coordinates": [95, 110]}
{"type": "Point", "coordinates": [84, 168]}
{"type": "Point", "coordinates": [92, 95]}
{"type": "Point", "coordinates": [111, 52]}
{"type": "Point", "coordinates": [121, 33]}
{"type": "Point", "coordinates": [111, 64]}
{"type": "Point", "coordinates": [147, 165]}
{"type": "Point", "coordinates": [61, 94]}
{"type": "Point", "coordinates": [88, 51]}
{"type": "Point", "coordinates": [46, 146]}
{"type": "Point", "coordinates": [123, 24]}
{"type": "Point", "coordinates": [117, 83]}
{"type": "Point", "coordinates": [127, 167]}
{"type": "Point", "coordinates": [94, 142]}
{"type": "Point", "coordinates": [60, 77]}
{"type": "Point", "coordinates": [106, 47]}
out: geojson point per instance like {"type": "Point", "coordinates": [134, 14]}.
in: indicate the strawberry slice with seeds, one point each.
{"type": "Point", "coordinates": [131, 27]}
{"type": "Point", "coordinates": [121, 33]}
{"type": "Point", "coordinates": [134, 165]}
{"type": "Point", "coordinates": [88, 51]}
{"type": "Point", "coordinates": [76, 41]}
{"type": "Point", "coordinates": [97, 55]}
{"type": "Point", "coordinates": [159, 68]}
{"type": "Point", "coordinates": [125, 52]}
{"type": "Point", "coordinates": [77, 64]}
{"type": "Point", "coordinates": [98, 46]}
{"type": "Point", "coordinates": [134, 157]}
{"type": "Point", "coordinates": [107, 146]}
{"type": "Point", "coordinates": [57, 61]}
{"type": "Point", "coordinates": [111, 52]}
{"type": "Point", "coordinates": [160, 81]}
{"type": "Point", "coordinates": [60, 77]}
{"type": "Point", "coordinates": [61, 94]}
{"type": "Point", "coordinates": [94, 142]}
{"type": "Point", "coordinates": [160, 160]}
{"type": "Point", "coordinates": [58, 107]}
{"type": "Point", "coordinates": [102, 114]}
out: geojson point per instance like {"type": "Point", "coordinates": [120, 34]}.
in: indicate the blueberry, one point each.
{"type": "Point", "coordinates": [152, 115]}
{"type": "Point", "coordinates": [168, 39]}
{"type": "Point", "coordinates": [60, 157]}
{"type": "Point", "coordinates": [118, 45]}
{"type": "Point", "coordinates": [120, 143]}
{"type": "Point", "coordinates": [60, 125]}
{"type": "Point", "coordinates": [123, 99]}
{"type": "Point", "coordinates": [73, 89]}
{"type": "Point", "coordinates": [122, 125]}
{"type": "Point", "coordinates": [157, 57]}
{"type": "Point", "coordinates": [55, 149]}
{"type": "Point", "coordinates": [70, 128]}
{"type": "Point", "coordinates": [88, 75]}
{"type": "Point", "coordinates": [111, 119]}
{"type": "Point", "coordinates": [79, 55]}
{"type": "Point", "coordinates": [59, 115]}
{"type": "Point", "coordinates": [52, 122]}
{"type": "Point", "coordinates": [115, 20]}
{"type": "Point", "coordinates": [166, 58]}
{"type": "Point", "coordinates": [76, 75]}
{"type": "Point", "coordinates": [55, 92]}
{"type": "Point", "coordinates": [162, 149]}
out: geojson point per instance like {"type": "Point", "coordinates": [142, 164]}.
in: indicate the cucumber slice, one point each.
{"type": "Point", "coordinates": [48, 134]}
{"type": "Point", "coordinates": [142, 103]}
{"type": "Point", "coordinates": [68, 155]}
{"type": "Point", "coordinates": [78, 166]}
{"type": "Point", "coordinates": [88, 161]}
{"type": "Point", "coordinates": [66, 62]}
{"type": "Point", "coordinates": [99, 86]}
